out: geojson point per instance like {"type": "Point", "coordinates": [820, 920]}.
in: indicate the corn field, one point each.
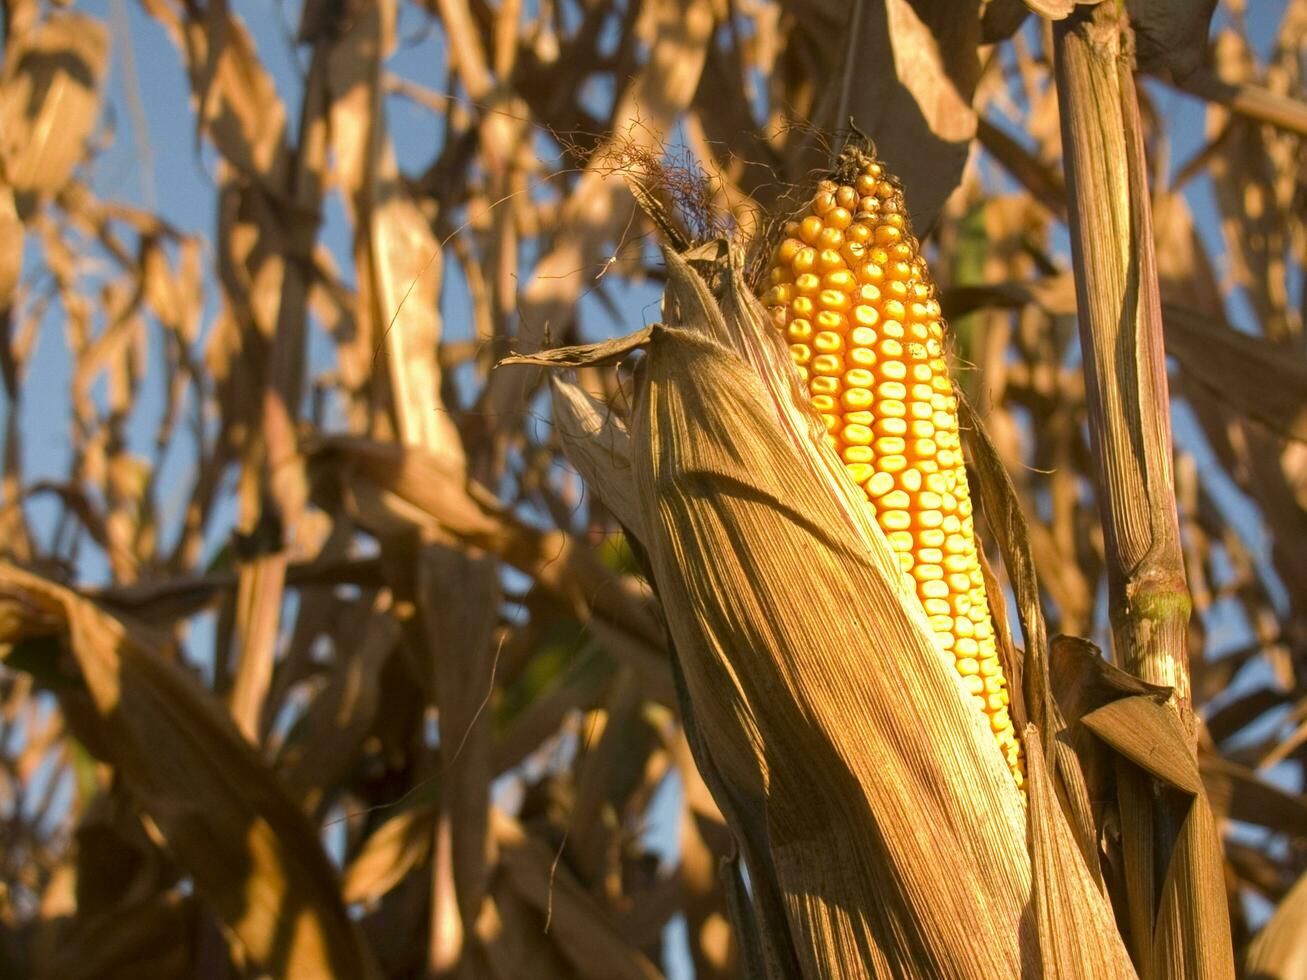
{"type": "Point", "coordinates": [625, 489]}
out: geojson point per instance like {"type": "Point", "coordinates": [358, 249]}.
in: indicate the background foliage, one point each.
{"type": "Point", "coordinates": [361, 679]}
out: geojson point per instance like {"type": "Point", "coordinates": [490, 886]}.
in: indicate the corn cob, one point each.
{"type": "Point", "coordinates": [850, 291]}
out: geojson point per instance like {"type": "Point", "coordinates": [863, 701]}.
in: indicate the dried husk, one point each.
{"type": "Point", "coordinates": [818, 695]}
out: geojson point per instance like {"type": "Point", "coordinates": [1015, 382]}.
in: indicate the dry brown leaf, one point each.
{"type": "Point", "coordinates": [1251, 375]}
{"type": "Point", "coordinates": [49, 100]}
{"type": "Point", "coordinates": [576, 923]}
{"type": "Point", "coordinates": [1066, 890]}
{"type": "Point", "coordinates": [391, 851]}
{"type": "Point", "coordinates": [910, 70]}
{"type": "Point", "coordinates": [222, 813]}
{"type": "Point", "coordinates": [1191, 925]}
{"type": "Point", "coordinates": [1279, 951]}
{"type": "Point", "coordinates": [1238, 793]}
{"type": "Point", "coordinates": [597, 441]}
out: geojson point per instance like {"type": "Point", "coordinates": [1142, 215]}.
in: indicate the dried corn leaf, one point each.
{"type": "Point", "coordinates": [391, 851]}
{"type": "Point", "coordinates": [222, 813]}
{"type": "Point", "coordinates": [1191, 924]}
{"type": "Point", "coordinates": [598, 443]}
{"type": "Point", "coordinates": [1238, 793]}
{"type": "Point", "coordinates": [1064, 888]}
{"type": "Point", "coordinates": [1279, 952]}
{"type": "Point", "coordinates": [910, 70]}
{"type": "Point", "coordinates": [1254, 376]}
{"type": "Point", "coordinates": [49, 100]}
{"type": "Point", "coordinates": [576, 921]}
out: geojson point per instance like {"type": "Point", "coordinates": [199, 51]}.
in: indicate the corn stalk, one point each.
{"type": "Point", "coordinates": [1171, 852]}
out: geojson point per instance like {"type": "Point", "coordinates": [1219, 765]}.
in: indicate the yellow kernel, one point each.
{"type": "Point", "coordinates": [932, 556]}
{"type": "Point", "coordinates": [800, 353]}
{"type": "Point", "coordinates": [888, 446]}
{"type": "Point", "coordinates": [895, 370]}
{"type": "Point", "coordinates": [828, 342]}
{"type": "Point", "coordinates": [869, 293]}
{"type": "Point", "coordinates": [862, 336]}
{"type": "Point", "coordinates": [865, 316]}
{"type": "Point", "coordinates": [929, 518]}
{"type": "Point", "coordinates": [857, 454]}
{"type": "Point", "coordinates": [839, 217]}
{"type": "Point", "coordinates": [833, 299]}
{"type": "Point", "coordinates": [826, 386]}
{"type": "Point", "coordinates": [779, 295]}
{"type": "Point", "coordinates": [830, 238]}
{"type": "Point", "coordinates": [809, 228]}
{"type": "Point", "coordinates": [966, 665]}
{"type": "Point", "coordinates": [860, 473]}
{"type": "Point", "coordinates": [892, 464]}
{"type": "Point", "coordinates": [871, 272]}
{"type": "Point", "coordinates": [880, 484]}
{"type": "Point", "coordinates": [932, 538]}
{"type": "Point", "coordinates": [823, 403]}
{"type": "Point", "coordinates": [937, 607]}
{"type": "Point", "coordinates": [895, 520]}
{"type": "Point", "coordinates": [787, 250]}
{"type": "Point", "coordinates": [856, 435]}
{"type": "Point", "coordinates": [859, 378]}
{"type": "Point", "coordinates": [910, 480]}
{"type": "Point", "coordinates": [856, 399]}
{"type": "Point", "coordinates": [805, 260]}
{"type": "Point", "coordinates": [823, 202]}
{"type": "Point", "coordinates": [927, 573]}
{"type": "Point", "coordinates": [893, 409]}
{"type": "Point", "coordinates": [934, 590]}
{"type": "Point", "coordinates": [831, 320]}
{"type": "Point", "coordinates": [863, 357]}
{"type": "Point", "coordinates": [799, 331]}
{"type": "Point", "coordinates": [895, 500]}
{"type": "Point", "coordinates": [891, 427]}
{"type": "Point", "coordinates": [827, 364]}
{"type": "Point", "coordinates": [846, 197]}
{"type": "Point", "coordinates": [841, 279]}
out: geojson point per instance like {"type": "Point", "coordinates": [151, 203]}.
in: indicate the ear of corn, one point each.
{"type": "Point", "coordinates": [850, 291]}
